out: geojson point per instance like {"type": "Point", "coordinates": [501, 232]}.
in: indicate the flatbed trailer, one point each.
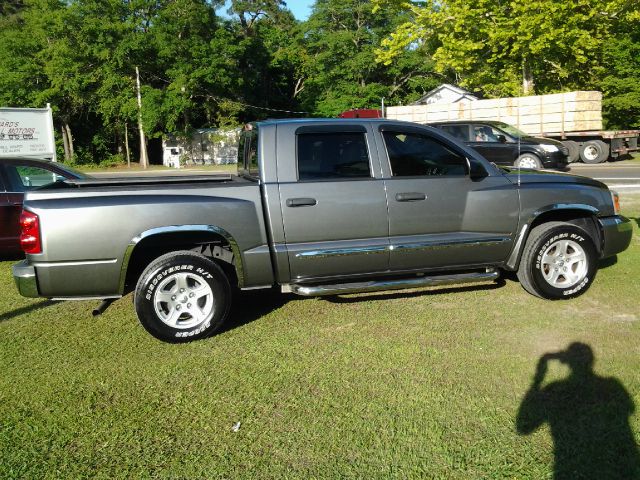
{"type": "Point", "coordinates": [597, 146]}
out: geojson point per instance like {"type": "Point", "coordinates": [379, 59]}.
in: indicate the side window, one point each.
{"type": "Point", "coordinates": [23, 178]}
{"type": "Point", "coordinates": [485, 133]}
{"type": "Point", "coordinates": [461, 132]}
{"type": "Point", "coordinates": [323, 156]}
{"type": "Point", "coordinates": [417, 155]}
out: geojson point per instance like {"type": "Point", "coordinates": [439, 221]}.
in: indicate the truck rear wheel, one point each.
{"type": "Point", "coordinates": [594, 151]}
{"type": "Point", "coordinates": [182, 296]}
{"type": "Point", "coordinates": [559, 261]}
{"type": "Point", "coordinates": [574, 150]}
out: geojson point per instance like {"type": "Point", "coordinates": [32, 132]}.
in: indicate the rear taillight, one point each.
{"type": "Point", "coordinates": [30, 233]}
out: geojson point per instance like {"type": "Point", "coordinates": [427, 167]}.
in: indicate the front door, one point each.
{"type": "Point", "coordinates": [493, 144]}
{"type": "Point", "coordinates": [438, 216]}
{"type": "Point", "coordinates": [334, 210]}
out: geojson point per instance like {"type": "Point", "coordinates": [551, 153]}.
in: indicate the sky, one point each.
{"type": "Point", "coordinates": [300, 8]}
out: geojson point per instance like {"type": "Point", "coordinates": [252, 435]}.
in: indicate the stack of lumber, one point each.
{"type": "Point", "coordinates": [535, 115]}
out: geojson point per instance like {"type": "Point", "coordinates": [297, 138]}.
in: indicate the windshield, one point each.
{"type": "Point", "coordinates": [72, 171]}
{"type": "Point", "coordinates": [510, 129]}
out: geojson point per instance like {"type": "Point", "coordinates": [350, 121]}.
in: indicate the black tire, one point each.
{"type": "Point", "coordinates": [594, 151]}
{"type": "Point", "coordinates": [536, 272]}
{"type": "Point", "coordinates": [528, 160]}
{"type": "Point", "coordinates": [182, 296]}
{"type": "Point", "coordinates": [574, 150]}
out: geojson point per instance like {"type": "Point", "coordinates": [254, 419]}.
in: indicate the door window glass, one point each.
{"type": "Point", "coordinates": [323, 156]}
{"type": "Point", "coordinates": [485, 133]}
{"type": "Point", "coordinates": [461, 132]}
{"type": "Point", "coordinates": [414, 155]}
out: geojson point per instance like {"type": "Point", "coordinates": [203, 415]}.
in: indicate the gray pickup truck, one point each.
{"type": "Point", "coordinates": [319, 207]}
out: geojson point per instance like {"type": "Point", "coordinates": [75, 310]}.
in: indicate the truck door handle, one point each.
{"type": "Point", "coordinates": [301, 202]}
{"type": "Point", "coordinates": [410, 197]}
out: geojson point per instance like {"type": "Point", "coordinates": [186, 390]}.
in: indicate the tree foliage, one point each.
{"type": "Point", "coordinates": [510, 48]}
{"type": "Point", "coordinates": [206, 63]}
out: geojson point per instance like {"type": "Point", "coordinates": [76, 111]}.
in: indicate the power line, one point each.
{"type": "Point", "coordinates": [215, 97]}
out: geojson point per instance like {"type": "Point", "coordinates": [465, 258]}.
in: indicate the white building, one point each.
{"type": "Point", "coordinates": [446, 93]}
{"type": "Point", "coordinates": [206, 146]}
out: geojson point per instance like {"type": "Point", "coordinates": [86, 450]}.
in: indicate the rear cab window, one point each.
{"type": "Point", "coordinates": [248, 152]}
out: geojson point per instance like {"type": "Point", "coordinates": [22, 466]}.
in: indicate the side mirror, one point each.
{"type": "Point", "coordinates": [502, 139]}
{"type": "Point", "coordinates": [476, 170]}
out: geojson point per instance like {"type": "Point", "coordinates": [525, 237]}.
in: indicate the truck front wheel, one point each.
{"type": "Point", "coordinates": [559, 261]}
{"type": "Point", "coordinates": [182, 296]}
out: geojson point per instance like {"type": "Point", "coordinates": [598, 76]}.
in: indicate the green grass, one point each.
{"type": "Point", "coordinates": [416, 384]}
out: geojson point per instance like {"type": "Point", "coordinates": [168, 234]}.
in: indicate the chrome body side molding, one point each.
{"type": "Point", "coordinates": [400, 247]}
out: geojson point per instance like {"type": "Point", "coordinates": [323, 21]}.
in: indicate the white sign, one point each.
{"type": "Point", "coordinates": [27, 132]}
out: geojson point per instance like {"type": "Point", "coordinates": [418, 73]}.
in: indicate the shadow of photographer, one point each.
{"type": "Point", "coordinates": [588, 416]}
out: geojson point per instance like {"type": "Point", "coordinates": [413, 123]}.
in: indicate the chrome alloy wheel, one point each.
{"type": "Point", "coordinates": [564, 264]}
{"type": "Point", "coordinates": [528, 162]}
{"type": "Point", "coordinates": [184, 300]}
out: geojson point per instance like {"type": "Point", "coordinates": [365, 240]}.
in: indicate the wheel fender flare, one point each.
{"type": "Point", "coordinates": [237, 257]}
{"type": "Point", "coordinates": [525, 228]}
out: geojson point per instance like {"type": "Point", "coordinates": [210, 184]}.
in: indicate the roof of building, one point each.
{"type": "Point", "coordinates": [447, 86]}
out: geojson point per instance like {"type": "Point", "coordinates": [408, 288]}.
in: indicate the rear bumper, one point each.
{"type": "Point", "coordinates": [616, 234]}
{"type": "Point", "coordinates": [25, 277]}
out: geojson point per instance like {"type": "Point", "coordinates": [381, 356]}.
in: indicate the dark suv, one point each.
{"type": "Point", "coordinates": [504, 144]}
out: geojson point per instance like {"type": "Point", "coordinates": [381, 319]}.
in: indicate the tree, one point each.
{"type": "Point", "coordinates": [340, 38]}
{"type": "Point", "coordinates": [511, 48]}
{"type": "Point", "coordinates": [621, 83]}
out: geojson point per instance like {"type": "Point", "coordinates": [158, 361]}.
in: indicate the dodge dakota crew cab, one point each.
{"type": "Point", "coordinates": [319, 207]}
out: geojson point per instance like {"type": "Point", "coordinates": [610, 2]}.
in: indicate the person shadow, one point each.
{"type": "Point", "coordinates": [588, 416]}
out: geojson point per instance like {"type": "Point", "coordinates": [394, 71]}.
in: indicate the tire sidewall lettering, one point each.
{"type": "Point", "coordinates": [180, 262]}
{"type": "Point", "coordinates": [581, 239]}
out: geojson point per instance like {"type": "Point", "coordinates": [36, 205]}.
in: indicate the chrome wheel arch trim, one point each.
{"type": "Point", "coordinates": [237, 257]}
{"type": "Point", "coordinates": [516, 253]}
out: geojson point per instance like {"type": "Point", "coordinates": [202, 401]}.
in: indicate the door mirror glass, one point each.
{"type": "Point", "coordinates": [502, 138]}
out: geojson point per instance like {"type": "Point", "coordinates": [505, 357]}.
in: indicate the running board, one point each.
{"type": "Point", "coordinates": [399, 284]}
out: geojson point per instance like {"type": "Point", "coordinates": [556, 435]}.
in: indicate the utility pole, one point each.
{"type": "Point", "coordinates": [126, 144]}
{"type": "Point", "coordinates": [144, 159]}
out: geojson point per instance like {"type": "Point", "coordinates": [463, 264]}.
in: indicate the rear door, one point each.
{"type": "Point", "coordinates": [438, 216]}
{"type": "Point", "coordinates": [333, 201]}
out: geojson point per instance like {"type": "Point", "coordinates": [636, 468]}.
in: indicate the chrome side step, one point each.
{"type": "Point", "coordinates": [392, 284]}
